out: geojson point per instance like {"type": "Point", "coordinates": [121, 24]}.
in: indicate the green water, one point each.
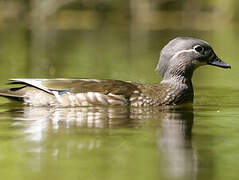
{"type": "Point", "coordinates": [199, 142]}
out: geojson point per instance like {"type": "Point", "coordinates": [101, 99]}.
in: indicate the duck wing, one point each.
{"type": "Point", "coordinates": [51, 86]}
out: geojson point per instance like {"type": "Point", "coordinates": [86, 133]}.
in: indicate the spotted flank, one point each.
{"type": "Point", "coordinates": [79, 99]}
{"type": "Point", "coordinates": [62, 93]}
{"type": "Point", "coordinates": [141, 101]}
{"type": "Point", "coordinates": [90, 99]}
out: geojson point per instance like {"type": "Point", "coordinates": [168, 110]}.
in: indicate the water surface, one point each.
{"type": "Point", "coordinates": [198, 142]}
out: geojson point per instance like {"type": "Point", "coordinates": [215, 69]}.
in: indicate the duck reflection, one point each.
{"type": "Point", "coordinates": [89, 117]}
{"type": "Point", "coordinates": [174, 141]}
{"type": "Point", "coordinates": [178, 159]}
{"type": "Point", "coordinates": [43, 120]}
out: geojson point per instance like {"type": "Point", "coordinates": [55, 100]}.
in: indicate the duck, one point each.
{"type": "Point", "coordinates": [178, 60]}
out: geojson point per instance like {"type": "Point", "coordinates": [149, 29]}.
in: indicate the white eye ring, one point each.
{"type": "Point", "coordinates": [198, 48]}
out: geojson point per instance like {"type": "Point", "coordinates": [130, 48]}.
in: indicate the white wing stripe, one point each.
{"type": "Point", "coordinates": [34, 82]}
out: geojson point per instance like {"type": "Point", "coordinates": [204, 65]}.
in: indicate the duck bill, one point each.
{"type": "Point", "coordinates": [215, 61]}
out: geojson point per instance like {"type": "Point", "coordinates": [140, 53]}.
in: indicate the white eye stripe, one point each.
{"type": "Point", "coordinates": [183, 51]}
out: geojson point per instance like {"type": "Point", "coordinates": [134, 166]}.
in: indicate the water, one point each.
{"type": "Point", "coordinates": [178, 143]}
{"type": "Point", "coordinates": [120, 143]}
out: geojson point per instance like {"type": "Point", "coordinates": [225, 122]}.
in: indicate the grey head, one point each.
{"type": "Point", "coordinates": [182, 55]}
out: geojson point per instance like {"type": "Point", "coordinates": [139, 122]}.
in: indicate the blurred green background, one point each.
{"type": "Point", "coordinates": [118, 39]}
{"type": "Point", "coordinates": [112, 39]}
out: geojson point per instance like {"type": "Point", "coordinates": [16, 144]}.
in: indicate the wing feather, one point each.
{"type": "Point", "coordinates": [80, 85]}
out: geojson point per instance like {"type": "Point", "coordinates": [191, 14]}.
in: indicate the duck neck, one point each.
{"type": "Point", "coordinates": [177, 80]}
{"type": "Point", "coordinates": [179, 75]}
{"type": "Point", "coordinates": [181, 87]}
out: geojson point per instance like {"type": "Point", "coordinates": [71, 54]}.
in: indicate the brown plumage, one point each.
{"type": "Point", "coordinates": [178, 59]}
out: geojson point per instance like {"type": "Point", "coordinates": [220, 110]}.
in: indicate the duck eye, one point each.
{"type": "Point", "coordinates": [198, 48]}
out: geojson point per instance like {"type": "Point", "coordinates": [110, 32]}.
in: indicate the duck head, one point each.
{"type": "Point", "coordinates": [182, 55]}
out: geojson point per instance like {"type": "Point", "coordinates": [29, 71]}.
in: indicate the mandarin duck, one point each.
{"type": "Point", "coordinates": [177, 62]}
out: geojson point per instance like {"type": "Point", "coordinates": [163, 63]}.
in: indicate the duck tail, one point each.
{"type": "Point", "coordinates": [11, 94]}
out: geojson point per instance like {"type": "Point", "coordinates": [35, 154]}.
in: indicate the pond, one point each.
{"type": "Point", "coordinates": [195, 142]}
